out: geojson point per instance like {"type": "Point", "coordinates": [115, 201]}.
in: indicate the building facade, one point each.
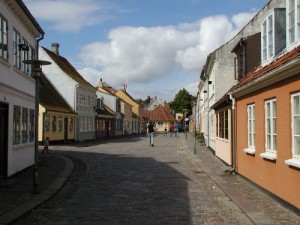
{"type": "Point", "coordinates": [19, 34]}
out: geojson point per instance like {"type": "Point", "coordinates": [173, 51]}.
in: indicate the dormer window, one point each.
{"type": "Point", "coordinates": [293, 21]}
{"type": "Point", "coordinates": [273, 35]}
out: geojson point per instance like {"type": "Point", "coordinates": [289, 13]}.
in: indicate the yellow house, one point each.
{"type": "Point", "coordinates": [161, 117]}
{"type": "Point", "coordinates": [126, 110]}
{"type": "Point", "coordinates": [56, 117]}
{"type": "Point", "coordinates": [136, 110]}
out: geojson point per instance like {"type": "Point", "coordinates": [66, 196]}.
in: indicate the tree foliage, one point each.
{"type": "Point", "coordinates": [182, 101]}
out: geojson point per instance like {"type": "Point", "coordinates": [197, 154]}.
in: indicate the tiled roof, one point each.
{"type": "Point", "coordinates": [256, 73]}
{"type": "Point", "coordinates": [159, 114]}
{"type": "Point", "coordinates": [67, 67]}
{"type": "Point", "coordinates": [105, 111]}
{"type": "Point", "coordinates": [129, 96]}
{"type": "Point", "coordinates": [260, 72]}
{"type": "Point", "coordinates": [50, 98]}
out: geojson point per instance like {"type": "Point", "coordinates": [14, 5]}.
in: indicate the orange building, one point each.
{"type": "Point", "coordinates": [267, 130]}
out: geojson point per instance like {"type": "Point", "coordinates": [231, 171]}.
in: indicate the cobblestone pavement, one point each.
{"type": "Point", "coordinates": [125, 181]}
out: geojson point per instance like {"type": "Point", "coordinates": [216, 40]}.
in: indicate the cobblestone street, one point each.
{"type": "Point", "coordinates": [125, 181]}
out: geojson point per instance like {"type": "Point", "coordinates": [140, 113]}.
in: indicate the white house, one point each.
{"type": "Point", "coordinates": [79, 93]}
{"type": "Point", "coordinates": [20, 33]}
{"type": "Point", "coordinates": [218, 75]}
{"type": "Point", "coordinates": [114, 103]}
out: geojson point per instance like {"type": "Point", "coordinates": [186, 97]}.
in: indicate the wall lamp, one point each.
{"type": "Point", "coordinates": [23, 47]}
{"type": "Point", "coordinates": [209, 82]}
{"type": "Point", "coordinates": [204, 91]}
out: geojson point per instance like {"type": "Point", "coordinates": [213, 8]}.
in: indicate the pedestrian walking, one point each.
{"type": "Point", "coordinates": [150, 132]}
{"type": "Point", "coordinates": [171, 130]}
{"type": "Point", "coordinates": [166, 131]}
{"type": "Point", "coordinates": [176, 129]}
{"type": "Point", "coordinates": [46, 146]}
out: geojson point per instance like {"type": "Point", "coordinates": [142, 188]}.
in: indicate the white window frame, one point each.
{"type": "Point", "coordinates": [17, 52]}
{"type": "Point", "coordinates": [293, 28]}
{"type": "Point", "coordinates": [270, 131]}
{"type": "Point", "coordinates": [251, 129]}
{"type": "Point", "coordinates": [295, 118]}
{"type": "Point", "coordinates": [3, 38]}
{"type": "Point", "coordinates": [267, 38]}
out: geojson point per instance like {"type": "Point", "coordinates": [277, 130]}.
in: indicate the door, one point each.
{"type": "Point", "coordinates": [66, 129]}
{"type": "Point", "coordinates": [3, 139]}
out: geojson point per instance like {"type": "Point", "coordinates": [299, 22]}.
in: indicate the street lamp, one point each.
{"type": "Point", "coordinates": [36, 74]}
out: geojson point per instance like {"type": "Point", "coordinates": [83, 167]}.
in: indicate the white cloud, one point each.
{"type": "Point", "coordinates": [145, 54]}
{"type": "Point", "coordinates": [69, 15]}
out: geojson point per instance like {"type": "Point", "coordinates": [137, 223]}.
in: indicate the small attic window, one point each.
{"type": "Point", "coordinates": [273, 38]}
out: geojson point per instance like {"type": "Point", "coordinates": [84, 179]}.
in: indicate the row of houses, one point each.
{"type": "Point", "coordinates": [69, 108]}
{"type": "Point", "coordinates": [248, 101]}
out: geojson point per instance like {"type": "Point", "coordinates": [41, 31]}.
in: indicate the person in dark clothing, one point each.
{"type": "Point", "coordinates": [150, 132]}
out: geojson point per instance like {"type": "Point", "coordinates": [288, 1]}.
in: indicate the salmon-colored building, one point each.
{"type": "Point", "coordinates": [267, 130]}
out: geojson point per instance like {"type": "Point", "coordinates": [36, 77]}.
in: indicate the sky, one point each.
{"type": "Point", "coordinates": [157, 47]}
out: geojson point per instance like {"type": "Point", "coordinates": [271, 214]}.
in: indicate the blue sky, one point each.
{"type": "Point", "coordinates": [158, 46]}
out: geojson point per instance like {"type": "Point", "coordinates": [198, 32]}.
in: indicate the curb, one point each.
{"type": "Point", "coordinates": [40, 198]}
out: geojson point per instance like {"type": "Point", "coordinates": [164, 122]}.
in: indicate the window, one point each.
{"type": "Point", "coordinates": [270, 123]}
{"type": "Point", "coordinates": [31, 56]}
{"type": "Point", "coordinates": [31, 125]}
{"type": "Point", "coordinates": [25, 56]}
{"type": "Point", "coordinates": [53, 123]}
{"type": "Point", "coordinates": [24, 125]}
{"type": "Point", "coordinates": [17, 53]}
{"type": "Point", "coordinates": [16, 125]}
{"type": "Point", "coordinates": [222, 124]}
{"type": "Point", "coordinates": [251, 129]}
{"type": "Point", "coordinates": [3, 39]}
{"type": "Point", "coordinates": [267, 38]}
{"type": "Point", "coordinates": [60, 123]}
{"type": "Point", "coordinates": [296, 125]}
{"type": "Point", "coordinates": [47, 123]}
{"type": "Point", "coordinates": [295, 104]}
{"type": "Point", "coordinates": [71, 125]}
{"type": "Point", "coordinates": [293, 21]}
{"type": "Point", "coordinates": [270, 130]}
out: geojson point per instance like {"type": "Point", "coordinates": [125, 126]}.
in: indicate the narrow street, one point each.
{"type": "Point", "coordinates": [125, 181]}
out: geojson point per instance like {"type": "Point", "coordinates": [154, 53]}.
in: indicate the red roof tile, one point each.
{"type": "Point", "coordinates": [159, 114]}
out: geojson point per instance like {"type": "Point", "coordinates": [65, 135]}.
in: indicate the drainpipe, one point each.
{"type": "Point", "coordinates": [233, 150]}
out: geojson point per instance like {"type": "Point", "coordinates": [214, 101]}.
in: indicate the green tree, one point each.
{"type": "Point", "coordinates": [182, 101]}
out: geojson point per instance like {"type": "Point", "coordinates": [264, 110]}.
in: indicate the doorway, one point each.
{"type": "Point", "coordinates": [66, 129]}
{"type": "Point", "coordinates": [3, 139]}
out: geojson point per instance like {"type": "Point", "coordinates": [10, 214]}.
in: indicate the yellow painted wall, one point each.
{"type": "Point", "coordinates": [57, 135]}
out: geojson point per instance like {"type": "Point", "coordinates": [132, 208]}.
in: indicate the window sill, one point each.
{"type": "Point", "coordinates": [293, 162]}
{"type": "Point", "coordinates": [250, 151]}
{"type": "Point", "coordinates": [269, 155]}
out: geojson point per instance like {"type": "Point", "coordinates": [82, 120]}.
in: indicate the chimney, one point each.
{"type": "Point", "coordinates": [55, 48]}
{"type": "Point", "coordinates": [100, 83]}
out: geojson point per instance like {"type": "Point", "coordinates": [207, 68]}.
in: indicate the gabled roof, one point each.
{"type": "Point", "coordinates": [50, 98]}
{"type": "Point", "coordinates": [159, 114]}
{"type": "Point", "coordinates": [258, 73]}
{"type": "Point", "coordinates": [105, 112]}
{"type": "Point", "coordinates": [129, 96]}
{"type": "Point", "coordinates": [67, 67]}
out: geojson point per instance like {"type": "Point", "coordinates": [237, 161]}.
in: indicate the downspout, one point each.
{"type": "Point", "coordinates": [233, 149]}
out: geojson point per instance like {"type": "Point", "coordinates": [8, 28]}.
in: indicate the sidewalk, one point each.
{"type": "Point", "coordinates": [16, 192]}
{"type": "Point", "coordinates": [256, 204]}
